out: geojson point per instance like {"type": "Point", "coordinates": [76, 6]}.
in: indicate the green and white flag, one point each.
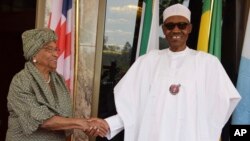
{"type": "Point", "coordinates": [149, 32]}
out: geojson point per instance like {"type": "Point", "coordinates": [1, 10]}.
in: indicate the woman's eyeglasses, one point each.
{"type": "Point", "coordinates": [180, 25]}
{"type": "Point", "coordinates": [51, 49]}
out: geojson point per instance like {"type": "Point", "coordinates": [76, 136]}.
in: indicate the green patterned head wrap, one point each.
{"type": "Point", "coordinates": [34, 39]}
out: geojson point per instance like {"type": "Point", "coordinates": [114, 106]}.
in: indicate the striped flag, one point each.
{"type": "Point", "coordinates": [149, 35]}
{"type": "Point", "coordinates": [205, 24]}
{"type": "Point", "coordinates": [215, 31]}
{"type": "Point", "coordinates": [241, 114]}
{"type": "Point", "coordinates": [61, 20]}
{"type": "Point", "coordinates": [209, 39]}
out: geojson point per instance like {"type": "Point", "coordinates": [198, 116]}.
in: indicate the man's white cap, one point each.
{"type": "Point", "coordinates": [176, 10]}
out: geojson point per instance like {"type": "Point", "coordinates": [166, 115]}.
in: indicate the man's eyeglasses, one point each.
{"type": "Point", "coordinates": [180, 25]}
{"type": "Point", "coordinates": [51, 49]}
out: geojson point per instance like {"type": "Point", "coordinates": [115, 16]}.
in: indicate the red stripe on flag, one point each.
{"type": "Point", "coordinates": [67, 83]}
{"type": "Point", "coordinates": [60, 30]}
{"type": "Point", "coordinates": [68, 45]}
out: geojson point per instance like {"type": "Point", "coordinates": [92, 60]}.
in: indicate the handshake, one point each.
{"type": "Point", "coordinates": [96, 127]}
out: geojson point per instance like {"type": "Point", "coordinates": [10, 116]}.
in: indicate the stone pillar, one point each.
{"type": "Point", "coordinates": [84, 87]}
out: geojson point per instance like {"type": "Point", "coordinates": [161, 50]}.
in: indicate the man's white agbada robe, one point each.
{"type": "Point", "coordinates": [149, 112]}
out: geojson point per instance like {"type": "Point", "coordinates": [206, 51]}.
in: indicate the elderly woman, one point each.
{"type": "Point", "coordinates": [39, 103]}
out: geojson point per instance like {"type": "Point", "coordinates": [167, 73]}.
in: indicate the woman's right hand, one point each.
{"type": "Point", "coordinates": [98, 127]}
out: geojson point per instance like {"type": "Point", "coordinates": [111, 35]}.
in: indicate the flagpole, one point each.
{"type": "Point", "coordinates": [210, 19]}
{"type": "Point", "coordinates": [76, 52]}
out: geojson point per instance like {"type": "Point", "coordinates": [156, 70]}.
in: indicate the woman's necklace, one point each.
{"type": "Point", "coordinates": [48, 80]}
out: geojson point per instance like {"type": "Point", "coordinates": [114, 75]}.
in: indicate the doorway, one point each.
{"type": "Point", "coordinates": [16, 16]}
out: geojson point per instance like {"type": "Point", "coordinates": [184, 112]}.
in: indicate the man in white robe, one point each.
{"type": "Point", "coordinates": [176, 94]}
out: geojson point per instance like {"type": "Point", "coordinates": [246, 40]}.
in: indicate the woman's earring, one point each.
{"type": "Point", "coordinates": [34, 61]}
